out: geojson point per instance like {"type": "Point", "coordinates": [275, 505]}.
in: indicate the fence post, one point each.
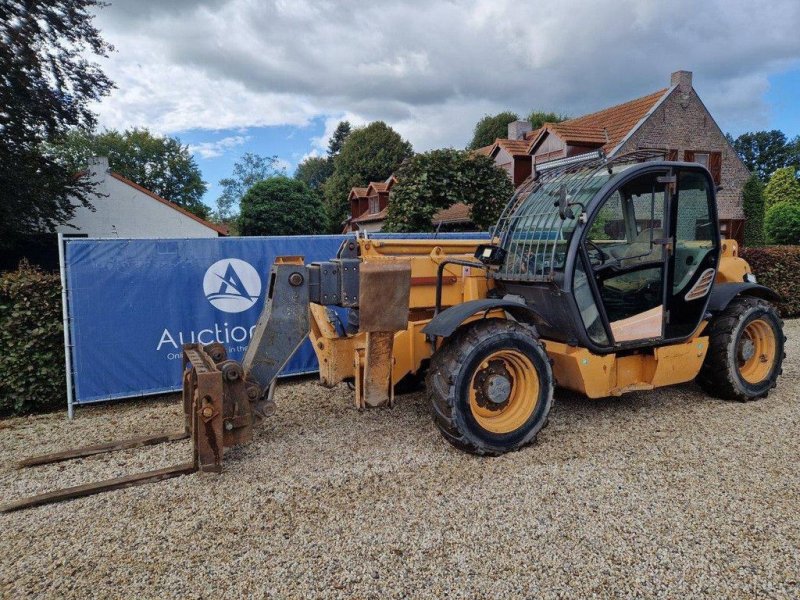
{"type": "Point", "coordinates": [65, 316]}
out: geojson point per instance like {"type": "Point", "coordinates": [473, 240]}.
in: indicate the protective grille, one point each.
{"type": "Point", "coordinates": [530, 228]}
{"type": "Point", "coordinates": [702, 286]}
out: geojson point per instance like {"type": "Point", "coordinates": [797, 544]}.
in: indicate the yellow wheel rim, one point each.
{"type": "Point", "coordinates": [504, 391]}
{"type": "Point", "coordinates": [756, 351]}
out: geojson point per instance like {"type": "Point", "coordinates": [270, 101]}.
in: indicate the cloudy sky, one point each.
{"type": "Point", "coordinates": [230, 76]}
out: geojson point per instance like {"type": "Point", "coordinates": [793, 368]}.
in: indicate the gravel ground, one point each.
{"type": "Point", "coordinates": [668, 494]}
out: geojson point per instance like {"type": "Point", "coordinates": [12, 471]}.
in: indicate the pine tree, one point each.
{"type": "Point", "coordinates": [753, 206]}
{"type": "Point", "coordinates": [338, 138]}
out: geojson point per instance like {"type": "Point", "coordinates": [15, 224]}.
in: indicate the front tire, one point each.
{"type": "Point", "coordinates": [745, 352]}
{"type": "Point", "coordinates": [490, 387]}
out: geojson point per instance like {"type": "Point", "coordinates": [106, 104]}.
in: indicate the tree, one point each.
{"type": "Point", "coordinates": [158, 163]}
{"type": "Point", "coordinates": [438, 179]}
{"type": "Point", "coordinates": [491, 127]}
{"type": "Point", "coordinates": [753, 206]}
{"type": "Point", "coordinates": [782, 223]}
{"type": "Point", "coordinates": [782, 187]}
{"type": "Point", "coordinates": [314, 171]}
{"type": "Point", "coordinates": [370, 153]}
{"type": "Point", "coordinates": [247, 171]}
{"type": "Point", "coordinates": [281, 205]}
{"type": "Point", "coordinates": [793, 149]}
{"type": "Point", "coordinates": [338, 138]}
{"type": "Point", "coordinates": [47, 82]}
{"type": "Point", "coordinates": [763, 152]}
{"type": "Point", "coordinates": [537, 118]}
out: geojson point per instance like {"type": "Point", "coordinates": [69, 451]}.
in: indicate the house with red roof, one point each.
{"type": "Point", "coordinates": [370, 205]}
{"type": "Point", "coordinates": [123, 209]}
{"type": "Point", "coordinates": [672, 120]}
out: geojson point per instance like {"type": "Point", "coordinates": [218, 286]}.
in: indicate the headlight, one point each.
{"type": "Point", "coordinates": [750, 278]}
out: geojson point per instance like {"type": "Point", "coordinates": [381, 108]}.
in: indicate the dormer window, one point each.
{"type": "Point", "coordinates": [373, 205]}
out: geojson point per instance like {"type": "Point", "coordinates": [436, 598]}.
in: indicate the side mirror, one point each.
{"type": "Point", "coordinates": [564, 211]}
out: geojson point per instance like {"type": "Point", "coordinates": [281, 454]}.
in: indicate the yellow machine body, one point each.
{"type": "Point", "coordinates": [402, 352]}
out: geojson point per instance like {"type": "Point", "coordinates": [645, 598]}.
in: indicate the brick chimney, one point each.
{"type": "Point", "coordinates": [518, 129]}
{"type": "Point", "coordinates": [683, 79]}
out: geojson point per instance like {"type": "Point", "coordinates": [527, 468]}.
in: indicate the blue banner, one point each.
{"type": "Point", "coordinates": [134, 303]}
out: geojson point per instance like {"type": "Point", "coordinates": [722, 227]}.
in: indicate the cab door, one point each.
{"type": "Point", "coordinates": [694, 248]}
{"type": "Point", "coordinates": [625, 247]}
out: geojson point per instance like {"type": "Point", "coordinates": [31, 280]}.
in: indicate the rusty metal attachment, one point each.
{"type": "Point", "coordinates": [220, 408]}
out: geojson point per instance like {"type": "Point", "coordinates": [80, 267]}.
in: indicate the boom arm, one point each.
{"type": "Point", "coordinates": [283, 324]}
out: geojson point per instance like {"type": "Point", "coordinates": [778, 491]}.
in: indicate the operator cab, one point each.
{"type": "Point", "coordinates": [613, 254]}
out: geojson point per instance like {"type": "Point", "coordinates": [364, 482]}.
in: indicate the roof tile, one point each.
{"type": "Point", "coordinates": [367, 217]}
{"type": "Point", "coordinates": [514, 147]}
{"type": "Point", "coordinates": [607, 127]}
{"type": "Point", "coordinates": [378, 186]}
{"type": "Point", "coordinates": [458, 212]}
{"type": "Point", "coordinates": [615, 121]}
{"type": "Point", "coordinates": [358, 192]}
{"type": "Point", "coordinates": [484, 150]}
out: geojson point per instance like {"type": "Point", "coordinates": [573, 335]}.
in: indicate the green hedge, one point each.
{"type": "Point", "coordinates": [31, 336]}
{"type": "Point", "coordinates": [778, 267]}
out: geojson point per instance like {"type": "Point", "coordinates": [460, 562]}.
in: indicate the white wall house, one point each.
{"type": "Point", "coordinates": [125, 210]}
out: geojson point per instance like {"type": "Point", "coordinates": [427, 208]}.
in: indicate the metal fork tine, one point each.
{"type": "Point", "coordinates": [84, 451]}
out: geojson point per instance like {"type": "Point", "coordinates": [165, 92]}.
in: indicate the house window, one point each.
{"type": "Point", "coordinates": [710, 160]}
{"type": "Point", "coordinates": [373, 206]}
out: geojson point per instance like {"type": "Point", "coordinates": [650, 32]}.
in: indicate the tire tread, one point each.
{"type": "Point", "coordinates": [447, 362]}
{"type": "Point", "coordinates": [716, 377]}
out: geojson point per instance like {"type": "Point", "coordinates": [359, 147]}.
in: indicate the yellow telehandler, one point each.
{"type": "Point", "coordinates": [601, 276]}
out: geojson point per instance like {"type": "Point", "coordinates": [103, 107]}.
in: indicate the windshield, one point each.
{"type": "Point", "coordinates": [531, 229]}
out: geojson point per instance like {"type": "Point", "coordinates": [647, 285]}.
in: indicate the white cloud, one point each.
{"type": "Point", "coordinates": [218, 147]}
{"type": "Point", "coordinates": [313, 153]}
{"type": "Point", "coordinates": [283, 165]}
{"type": "Point", "coordinates": [319, 145]}
{"type": "Point", "coordinates": [432, 68]}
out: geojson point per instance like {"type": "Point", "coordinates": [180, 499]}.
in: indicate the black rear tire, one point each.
{"type": "Point", "coordinates": [725, 372]}
{"type": "Point", "coordinates": [460, 371]}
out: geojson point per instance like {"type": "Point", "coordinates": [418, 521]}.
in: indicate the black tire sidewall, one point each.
{"type": "Point", "coordinates": [753, 313]}
{"type": "Point", "coordinates": [463, 413]}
